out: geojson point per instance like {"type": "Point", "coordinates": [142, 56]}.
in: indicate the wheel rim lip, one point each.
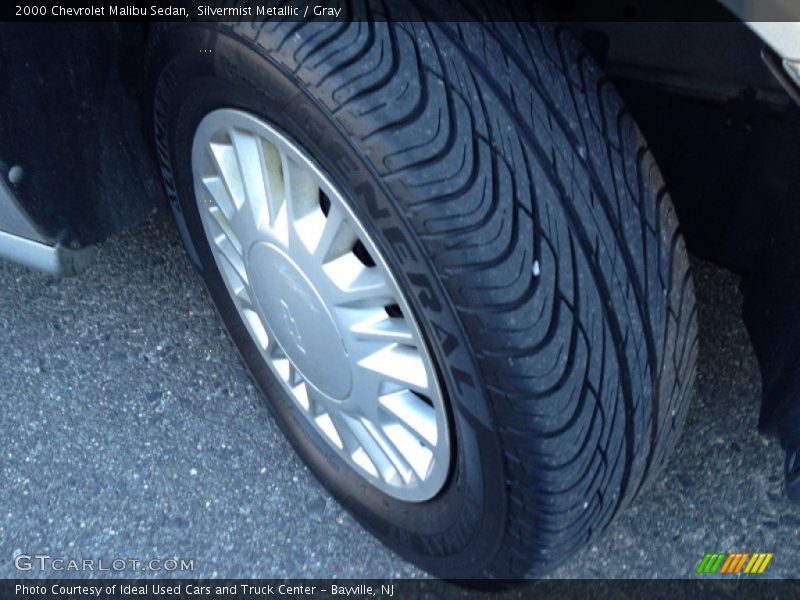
{"type": "Point", "coordinates": [223, 119]}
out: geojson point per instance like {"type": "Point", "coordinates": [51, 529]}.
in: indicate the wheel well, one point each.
{"type": "Point", "coordinates": [725, 134]}
{"type": "Point", "coordinates": [73, 118]}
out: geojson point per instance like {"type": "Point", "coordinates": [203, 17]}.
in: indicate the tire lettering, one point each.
{"type": "Point", "coordinates": [395, 237]}
{"type": "Point", "coordinates": [426, 294]}
{"type": "Point", "coordinates": [461, 378]}
{"type": "Point", "coordinates": [446, 339]}
{"type": "Point", "coordinates": [364, 191]}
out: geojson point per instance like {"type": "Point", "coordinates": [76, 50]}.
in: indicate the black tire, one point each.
{"type": "Point", "coordinates": [521, 210]}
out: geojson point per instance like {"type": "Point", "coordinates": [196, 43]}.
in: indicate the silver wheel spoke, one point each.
{"type": "Point", "coordinates": [220, 198]}
{"type": "Point", "coordinates": [383, 328]}
{"type": "Point", "coordinates": [418, 456]}
{"type": "Point", "coordinates": [256, 326]}
{"type": "Point", "coordinates": [328, 427]}
{"type": "Point", "coordinates": [317, 403]}
{"type": "Point", "coordinates": [255, 215]}
{"type": "Point", "coordinates": [321, 304]}
{"type": "Point", "coordinates": [228, 167]}
{"type": "Point", "coordinates": [234, 262]}
{"type": "Point", "coordinates": [302, 199]}
{"type": "Point", "coordinates": [398, 364]}
{"type": "Point", "coordinates": [413, 413]}
{"type": "Point", "coordinates": [345, 432]}
{"type": "Point", "coordinates": [391, 466]}
{"type": "Point", "coordinates": [357, 286]}
{"type": "Point", "coordinates": [233, 215]}
{"type": "Point", "coordinates": [336, 238]}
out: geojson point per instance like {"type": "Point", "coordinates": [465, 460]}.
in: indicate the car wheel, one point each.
{"type": "Point", "coordinates": [448, 259]}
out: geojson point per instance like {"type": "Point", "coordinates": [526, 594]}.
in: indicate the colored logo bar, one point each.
{"type": "Point", "coordinates": [730, 564]}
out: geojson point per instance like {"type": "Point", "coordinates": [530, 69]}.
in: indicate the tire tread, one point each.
{"type": "Point", "coordinates": [505, 144]}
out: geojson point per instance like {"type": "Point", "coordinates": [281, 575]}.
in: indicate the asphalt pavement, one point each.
{"type": "Point", "coordinates": [131, 430]}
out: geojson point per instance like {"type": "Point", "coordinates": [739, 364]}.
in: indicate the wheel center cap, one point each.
{"type": "Point", "coordinates": [298, 318]}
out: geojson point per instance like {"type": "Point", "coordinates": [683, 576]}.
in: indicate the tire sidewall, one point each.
{"type": "Point", "coordinates": [457, 532]}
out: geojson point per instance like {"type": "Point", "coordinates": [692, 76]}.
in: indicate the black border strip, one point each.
{"type": "Point", "coordinates": [393, 10]}
{"type": "Point", "coordinates": [124, 589]}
